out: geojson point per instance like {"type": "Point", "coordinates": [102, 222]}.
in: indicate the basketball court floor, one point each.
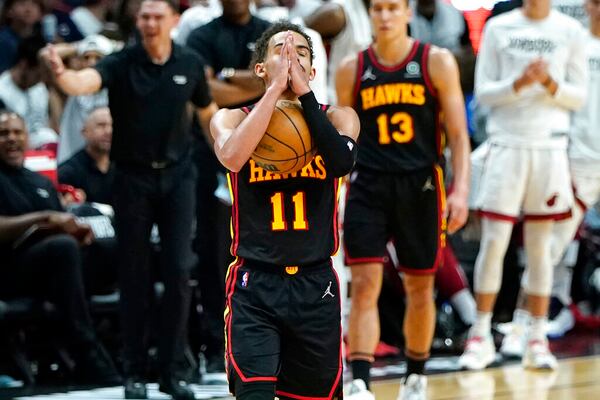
{"type": "Point", "coordinates": [577, 378]}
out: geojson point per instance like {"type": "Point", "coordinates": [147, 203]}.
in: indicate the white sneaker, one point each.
{"type": "Point", "coordinates": [479, 353]}
{"type": "Point", "coordinates": [357, 390]}
{"type": "Point", "coordinates": [563, 323]}
{"type": "Point", "coordinates": [513, 344]}
{"type": "Point", "coordinates": [538, 355]}
{"type": "Point", "coordinates": [414, 388]}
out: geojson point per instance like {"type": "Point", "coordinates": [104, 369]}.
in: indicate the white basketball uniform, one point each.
{"type": "Point", "coordinates": [526, 171]}
{"type": "Point", "coordinates": [584, 147]}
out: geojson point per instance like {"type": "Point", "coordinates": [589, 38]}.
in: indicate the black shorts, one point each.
{"type": "Point", "coordinates": [406, 208]}
{"type": "Point", "coordinates": [284, 327]}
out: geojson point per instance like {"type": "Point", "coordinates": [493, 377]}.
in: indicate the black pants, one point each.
{"type": "Point", "coordinates": [51, 270]}
{"type": "Point", "coordinates": [284, 328]}
{"type": "Point", "coordinates": [211, 244]}
{"type": "Point", "coordinates": [164, 197]}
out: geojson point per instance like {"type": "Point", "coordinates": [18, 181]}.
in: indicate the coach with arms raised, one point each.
{"type": "Point", "coordinates": [149, 86]}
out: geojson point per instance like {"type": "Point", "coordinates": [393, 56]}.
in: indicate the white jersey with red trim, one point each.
{"type": "Point", "coordinates": [532, 117]}
{"type": "Point", "coordinates": [584, 149]}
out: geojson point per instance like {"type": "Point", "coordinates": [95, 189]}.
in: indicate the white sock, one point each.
{"type": "Point", "coordinates": [482, 326]}
{"type": "Point", "coordinates": [464, 304]}
{"type": "Point", "coordinates": [521, 318]}
{"type": "Point", "coordinates": [537, 330]}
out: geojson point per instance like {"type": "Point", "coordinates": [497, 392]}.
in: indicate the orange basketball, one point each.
{"type": "Point", "coordinates": [287, 145]}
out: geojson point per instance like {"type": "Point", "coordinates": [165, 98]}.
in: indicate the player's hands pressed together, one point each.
{"type": "Point", "coordinates": [298, 79]}
{"type": "Point", "coordinates": [535, 72]}
{"type": "Point", "coordinates": [280, 70]}
{"type": "Point", "coordinates": [456, 211]}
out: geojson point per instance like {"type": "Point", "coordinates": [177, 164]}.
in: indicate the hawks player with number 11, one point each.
{"type": "Point", "coordinates": [282, 314]}
{"type": "Point", "coordinates": [404, 92]}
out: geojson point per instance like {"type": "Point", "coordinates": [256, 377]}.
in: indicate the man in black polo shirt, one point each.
{"type": "Point", "coordinates": [149, 87]}
{"type": "Point", "coordinates": [40, 250]}
{"type": "Point", "coordinates": [226, 44]}
{"type": "Point", "coordinates": [90, 169]}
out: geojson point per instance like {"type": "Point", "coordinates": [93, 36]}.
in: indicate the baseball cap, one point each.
{"type": "Point", "coordinates": [96, 43]}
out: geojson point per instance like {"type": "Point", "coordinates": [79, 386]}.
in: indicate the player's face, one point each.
{"type": "Point", "coordinates": [301, 47]}
{"type": "Point", "coordinates": [155, 19]}
{"type": "Point", "coordinates": [593, 9]}
{"type": "Point", "coordinates": [13, 140]}
{"type": "Point", "coordinates": [389, 17]}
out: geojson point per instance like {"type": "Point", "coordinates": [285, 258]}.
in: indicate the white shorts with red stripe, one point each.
{"type": "Point", "coordinates": [534, 183]}
{"type": "Point", "coordinates": [586, 185]}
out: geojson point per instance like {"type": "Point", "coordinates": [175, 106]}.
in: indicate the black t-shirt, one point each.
{"type": "Point", "coordinates": [223, 44]}
{"type": "Point", "coordinates": [148, 103]}
{"type": "Point", "coordinates": [23, 191]}
{"type": "Point", "coordinates": [81, 172]}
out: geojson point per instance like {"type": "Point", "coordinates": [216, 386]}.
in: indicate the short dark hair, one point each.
{"type": "Point", "coordinates": [262, 44]}
{"type": "Point", "coordinates": [173, 4]}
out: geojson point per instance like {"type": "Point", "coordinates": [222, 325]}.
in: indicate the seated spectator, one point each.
{"type": "Point", "coordinates": [18, 19]}
{"type": "Point", "coordinates": [84, 20]}
{"type": "Point", "coordinates": [89, 169]}
{"type": "Point", "coordinates": [23, 92]}
{"type": "Point", "coordinates": [40, 251]}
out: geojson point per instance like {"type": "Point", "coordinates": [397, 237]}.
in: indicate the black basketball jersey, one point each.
{"type": "Point", "coordinates": [398, 111]}
{"type": "Point", "coordinates": [284, 219]}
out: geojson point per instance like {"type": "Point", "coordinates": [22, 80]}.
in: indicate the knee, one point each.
{"type": "Point", "coordinates": [492, 248]}
{"type": "Point", "coordinates": [419, 290]}
{"type": "Point", "coordinates": [63, 247]}
{"type": "Point", "coordinates": [365, 289]}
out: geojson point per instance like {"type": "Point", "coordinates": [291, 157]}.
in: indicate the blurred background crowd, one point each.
{"type": "Point", "coordinates": [68, 139]}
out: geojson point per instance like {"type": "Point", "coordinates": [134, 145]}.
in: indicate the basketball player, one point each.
{"type": "Point", "coordinates": [584, 162]}
{"type": "Point", "coordinates": [531, 72]}
{"type": "Point", "coordinates": [283, 318]}
{"type": "Point", "coordinates": [400, 89]}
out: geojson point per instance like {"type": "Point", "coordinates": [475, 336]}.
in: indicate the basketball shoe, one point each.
{"type": "Point", "coordinates": [538, 356]}
{"type": "Point", "coordinates": [357, 390]}
{"type": "Point", "coordinates": [413, 388]}
{"type": "Point", "coordinates": [479, 353]}
{"type": "Point", "coordinates": [513, 344]}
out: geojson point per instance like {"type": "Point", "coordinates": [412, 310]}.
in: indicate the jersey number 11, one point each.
{"type": "Point", "coordinates": [278, 222]}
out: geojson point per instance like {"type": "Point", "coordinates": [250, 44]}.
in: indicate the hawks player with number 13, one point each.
{"type": "Point", "coordinates": [404, 92]}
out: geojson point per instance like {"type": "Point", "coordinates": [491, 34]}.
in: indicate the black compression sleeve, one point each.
{"type": "Point", "coordinates": [338, 151]}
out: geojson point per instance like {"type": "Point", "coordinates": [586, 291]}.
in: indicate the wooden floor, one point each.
{"type": "Point", "coordinates": [575, 379]}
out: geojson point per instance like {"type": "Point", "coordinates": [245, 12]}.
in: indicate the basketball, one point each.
{"type": "Point", "coordinates": [287, 145]}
